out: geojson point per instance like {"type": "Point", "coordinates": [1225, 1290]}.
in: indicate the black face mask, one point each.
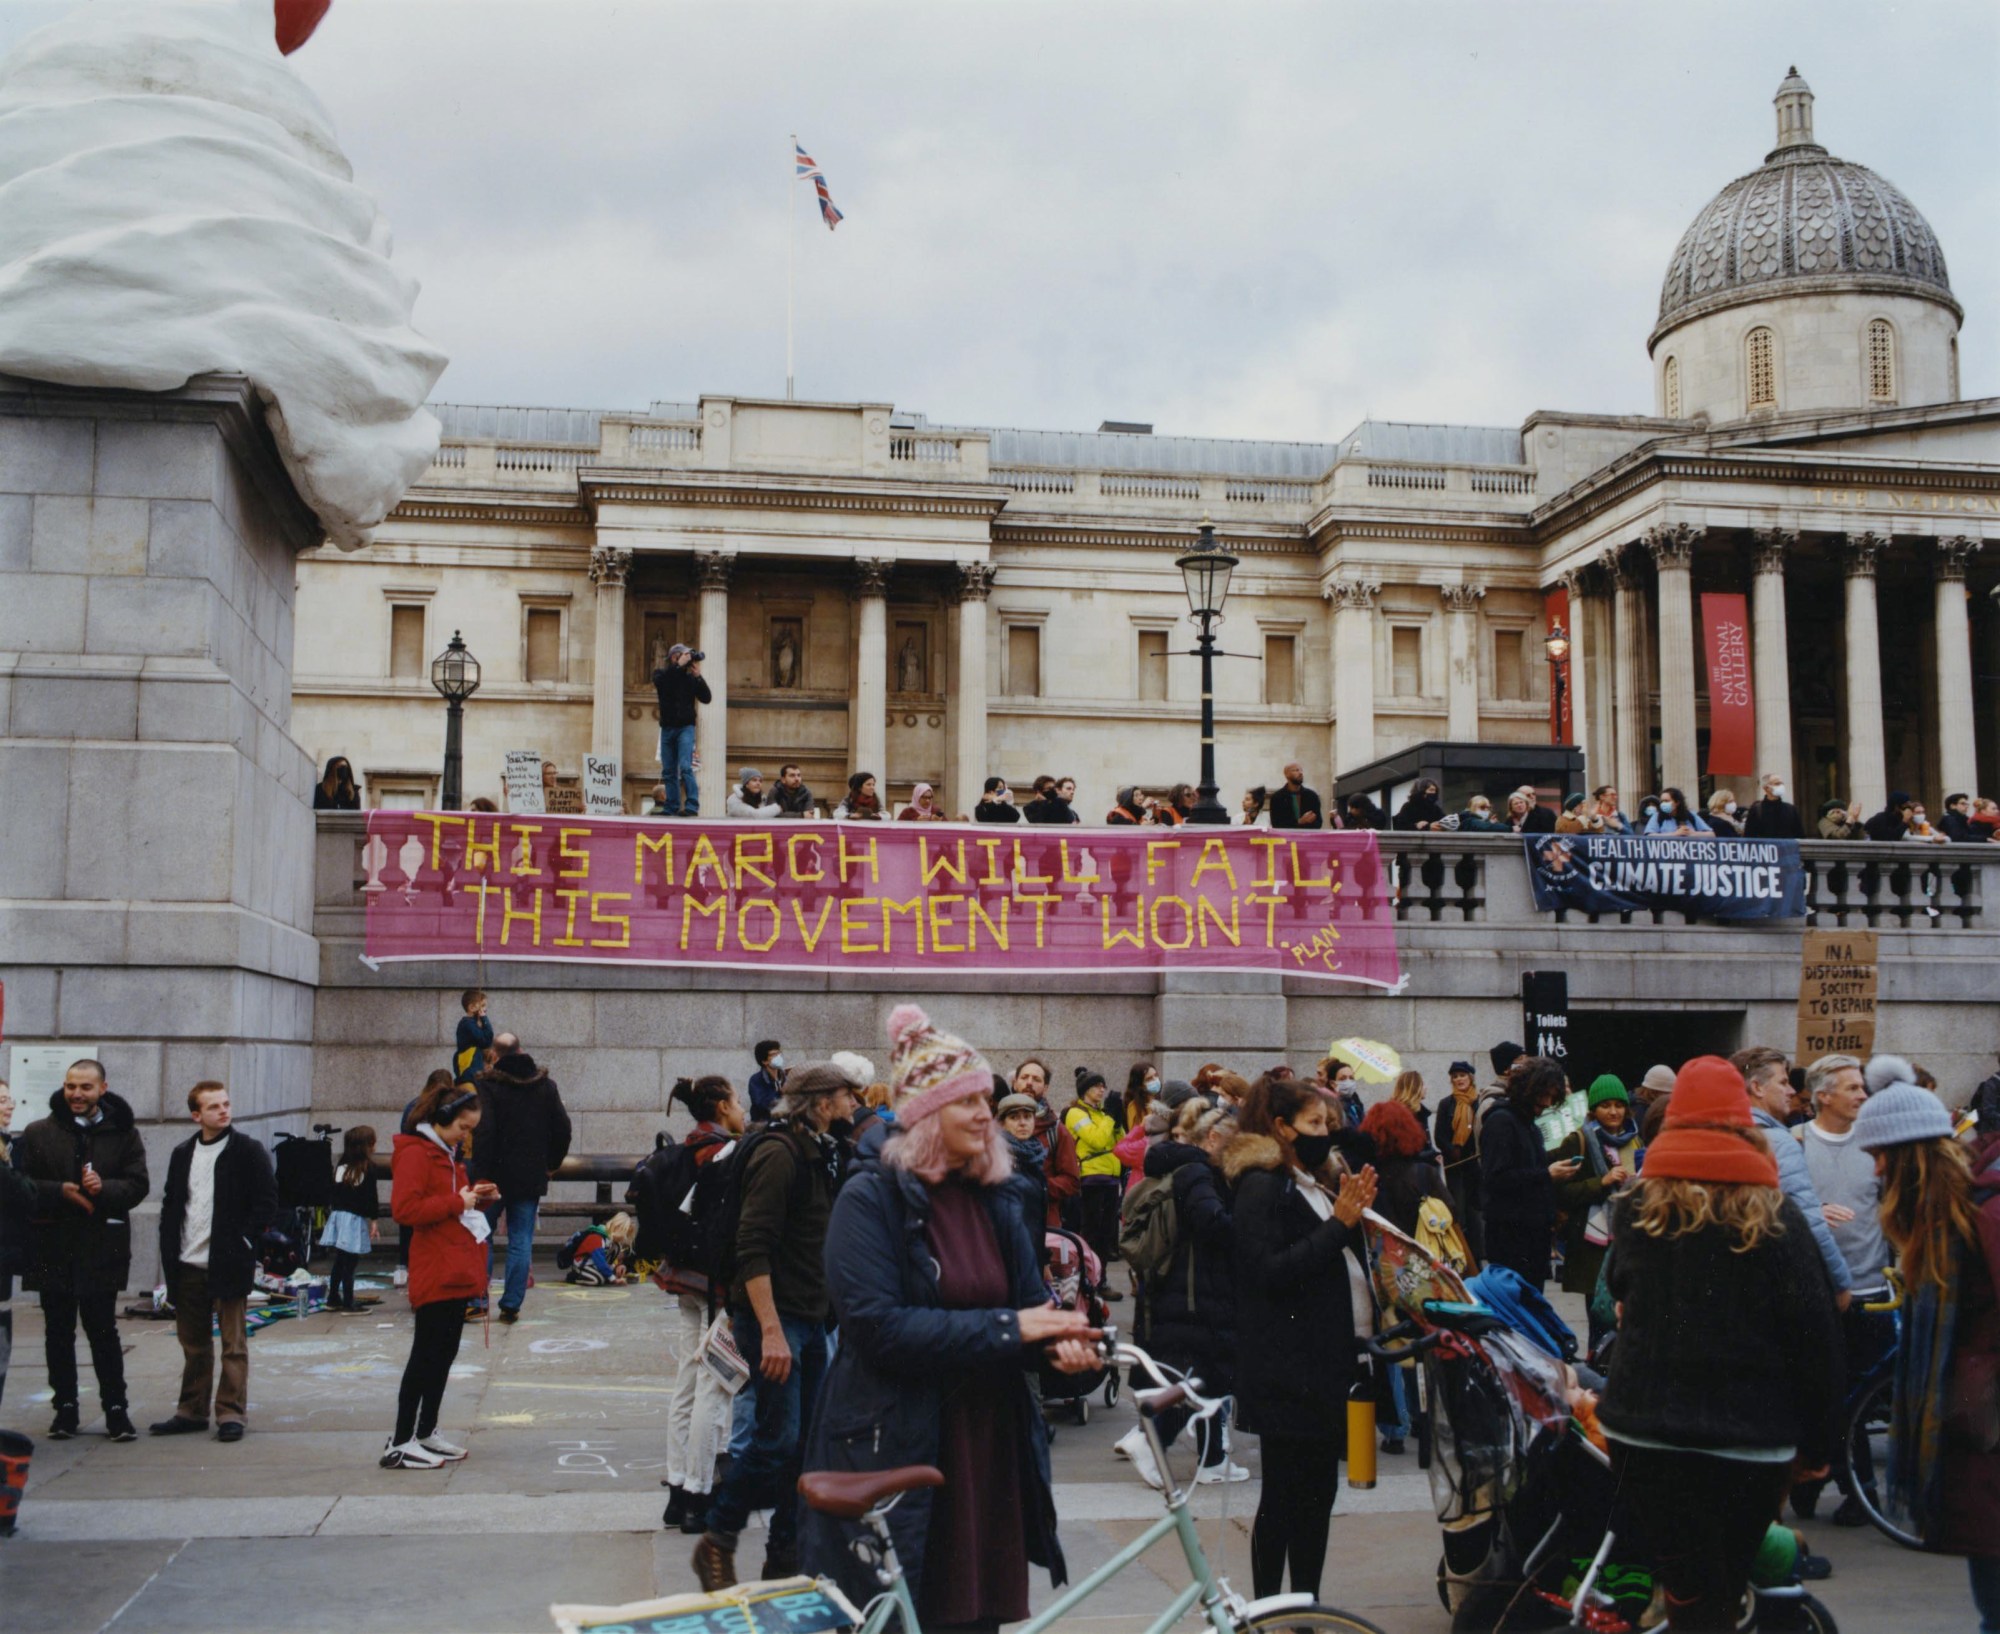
{"type": "Point", "coordinates": [1312, 1151]}
{"type": "Point", "coordinates": [841, 1129]}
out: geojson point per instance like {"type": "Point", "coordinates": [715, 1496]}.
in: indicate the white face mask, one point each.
{"type": "Point", "coordinates": [1777, 791]}
{"type": "Point", "coordinates": [776, 1063]}
{"type": "Point", "coordinates": [1730, 807]}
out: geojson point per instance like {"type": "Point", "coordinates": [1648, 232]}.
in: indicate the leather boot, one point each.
{"type": "Point", "coordinates": [714, 1563]}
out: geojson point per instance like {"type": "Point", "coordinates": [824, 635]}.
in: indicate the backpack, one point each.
{"type": "Point", "coordinates": [723, 1207]}
{"type": "Point", "coordinates": [1151, 1226]}
{"type": "Point", "coordinates": [665, 1199]}
{"type": "Point", "coordinates": [1439, 1235]}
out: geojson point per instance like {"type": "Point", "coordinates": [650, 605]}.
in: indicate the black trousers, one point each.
{"type": "Point", "coordinates": [1520, 1247]}
{"type": "Point", "coordinates": [440, 1326]}
{"type": "Point", "coordinates": [340, 1279]}
{"type": "Point", "coordinates": [61, 1307]}
{"type": "Point", "coordinates": [1301, 1480]}
{"type": "Point", "coordinates": [1703, 1519]}
{"type": "Point", "coordinates": [1102, 1194]}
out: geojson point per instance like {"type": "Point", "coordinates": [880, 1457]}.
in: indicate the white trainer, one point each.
{"type": "Point", "coordinates": [410, 1455]}
{"type": "Point", "coordinates": [437, 1445]}
{"type": "Point", "coordinates": [1133, 1445]}
{"type": "Point", "coordinates": [1217, 1474]}
{"type": "Point", "coordinates": [401, 1279]}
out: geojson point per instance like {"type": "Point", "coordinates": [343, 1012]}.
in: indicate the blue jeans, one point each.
{"type": "Point", "coordinates": [520, 1247]}
{"type": "Point", "coordinates": [768, 1473]}
{"type": "Point", "coordinates": [1399, 1388]}
{"type": "Point", "coordinates": [1985, 1572]}
{"type": "Point", "coordinates": [677, 771]}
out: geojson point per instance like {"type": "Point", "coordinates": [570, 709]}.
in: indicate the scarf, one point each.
{"type": "Point", "coordinates": [1463, 1101]}
{"type": "Point", "coordinates": [1923, 1372]}
{"type": "Point", "coordinates": [1596, 1138]}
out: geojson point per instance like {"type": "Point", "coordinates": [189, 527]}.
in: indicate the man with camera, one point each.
{"type": "Point", "coordinates": [681, 691]}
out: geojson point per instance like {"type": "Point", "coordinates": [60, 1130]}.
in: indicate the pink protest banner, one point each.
{"type": "Point", "coordinates": [879, 897]}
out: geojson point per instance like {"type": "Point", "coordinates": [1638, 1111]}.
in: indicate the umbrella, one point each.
{"type": "Point", "coordinates": [1373, 1063]}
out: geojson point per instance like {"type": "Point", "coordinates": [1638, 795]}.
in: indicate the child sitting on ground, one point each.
{"type": "Point", "coordinates": [600, 1254]}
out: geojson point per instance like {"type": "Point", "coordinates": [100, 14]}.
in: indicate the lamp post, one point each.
{"type": "Point", "coordinates": [1207, 572]}
{"type": "Point", "coordinates": [1558, 649]}
{"type": "Point", "coordinates": [455, 674]}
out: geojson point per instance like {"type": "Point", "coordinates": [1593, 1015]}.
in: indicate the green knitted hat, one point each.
{"type": "Point", "coordinates": [1607, 1088]}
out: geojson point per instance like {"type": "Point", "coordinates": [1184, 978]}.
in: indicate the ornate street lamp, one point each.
{"type": "Point", "coordinates": [1207, 572]}
{"type": "Point", "coordinates": [455, 674]}
{"type": "Point", "coordinates": [1558, 650]}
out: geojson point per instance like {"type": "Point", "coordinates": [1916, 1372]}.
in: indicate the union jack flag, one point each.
{"type": "Point", "coordinates": [807, 165]}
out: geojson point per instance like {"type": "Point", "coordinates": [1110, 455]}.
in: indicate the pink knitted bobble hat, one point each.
{"type": "Point", "coordinates": [929, 1067]}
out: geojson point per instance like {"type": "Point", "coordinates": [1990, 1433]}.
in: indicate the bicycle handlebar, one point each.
{"type": "Point", "coordinates": [1177, 1389]}
{"type": "Point", "coordinates": [1381, 1346]}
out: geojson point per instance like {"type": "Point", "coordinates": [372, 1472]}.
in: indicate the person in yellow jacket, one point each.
{"type": "Point", "coordinates": [1097, 1135]}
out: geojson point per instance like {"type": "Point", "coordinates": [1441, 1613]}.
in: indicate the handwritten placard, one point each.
{"type": "Point", "coordinates": [603, 787]}
{"type": "Point", "coordinates": [524, 781]}
{"type": "Point", "coordinates": [1838, 978]}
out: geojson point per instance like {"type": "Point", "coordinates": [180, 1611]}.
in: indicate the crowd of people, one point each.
{"type": "Point", "coordinates": [856, 1272]}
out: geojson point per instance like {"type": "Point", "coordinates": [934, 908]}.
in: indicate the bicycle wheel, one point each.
{"type": "Point", "coordinates": [1800, 1614]}
{"type": "Point", "coordinates": [1310, 1620]}
{"type": "Point", "coordinates": [1867, 1457]}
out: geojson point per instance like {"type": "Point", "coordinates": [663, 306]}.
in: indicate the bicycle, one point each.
{"type": "Point", "coordinates": [868, 1496]}
{"type": "Point", "coordinates": [1870, 1418]}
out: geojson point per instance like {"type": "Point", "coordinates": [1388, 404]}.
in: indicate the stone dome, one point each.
{"type": "Point", "coordinates": [1802, 215]}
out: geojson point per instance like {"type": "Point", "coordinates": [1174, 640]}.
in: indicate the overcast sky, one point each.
{"type": "Point", "coordinates": [1229, 219]}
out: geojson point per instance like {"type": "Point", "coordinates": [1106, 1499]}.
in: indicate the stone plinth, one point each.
{"type": "Point", "coordinates": [156, 883]}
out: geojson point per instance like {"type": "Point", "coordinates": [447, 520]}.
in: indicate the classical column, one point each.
{"type": "Point", "coordinates": [1957, 752]}
{"type": "Point", "coordinates": [975, 583]}
{"type": "Point", "coordinates": [1673, 559]}
{"type": "Point", "coordinates": [1353, 672]}
{"type": "Point", "coordinates": [1867, 766]}
{"type": "Point", "coordinates": [869, 731]}
{"type": "Point", "coordinates": [609, 570]}
{"type": "Point", "coordinates": [1635, 778]}
{"type": "Point", "coordinates": [711, 738]}
{"type": "Point", "coordinates": [1770, 652]}
{"type": "Point", "coordinates": [1576, 671]}
{"type": "Point", "coordinates": [1461, 645]}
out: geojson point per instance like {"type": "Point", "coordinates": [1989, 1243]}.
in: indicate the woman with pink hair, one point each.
{"type": "Point", "coordinates": [943, 1316]}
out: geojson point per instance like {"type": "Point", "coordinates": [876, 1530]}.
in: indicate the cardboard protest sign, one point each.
{"type": "Point", "coordinates": [1838, 977]}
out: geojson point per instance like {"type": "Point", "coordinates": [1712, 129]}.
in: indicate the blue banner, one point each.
{"type": "Point", "coordinates": [1694, 874]}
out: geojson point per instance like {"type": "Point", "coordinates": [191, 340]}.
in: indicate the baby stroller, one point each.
{"type": "Point", "coordinates": [1527, 1501]}
{"type": "Point", "coordinates": [1075, 1277]}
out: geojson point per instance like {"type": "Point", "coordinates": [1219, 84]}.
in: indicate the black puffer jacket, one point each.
{"type": "Point", "coordinates": [90, 1252]}
{"type": "Point", "coordinates": [1190, 1307]}
{"type": "Point", "coordinates": [523, 1129]}
{"type": "Point", "coordinates": [1723, 1349]}
{"type": "Point", "coordinates": [1294, 1312]}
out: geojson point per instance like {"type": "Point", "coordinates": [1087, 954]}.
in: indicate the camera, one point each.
{"type": "Point", "coordinates": [694, 656]}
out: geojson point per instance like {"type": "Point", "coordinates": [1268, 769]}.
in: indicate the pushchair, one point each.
{"type": "Point", "coordinates": [1075, 1277]}
{"type": "Point", "coordinates": [1526, 1500]}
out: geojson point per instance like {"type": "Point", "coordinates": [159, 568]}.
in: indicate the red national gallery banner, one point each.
{"type": "Point", "coordinates": [877, 897]}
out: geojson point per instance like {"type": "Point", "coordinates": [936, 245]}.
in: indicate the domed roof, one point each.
{"type": "Point", "coordinates": [1803, 215]}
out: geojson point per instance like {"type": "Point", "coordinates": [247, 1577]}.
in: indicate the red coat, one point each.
{"type": "Point", "coordinates": [445, 1261]}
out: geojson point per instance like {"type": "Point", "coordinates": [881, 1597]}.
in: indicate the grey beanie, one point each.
{"type": "Point", "coordinates": [1884, 1070]}
{"type": "Point", "coordinates": [748, 773]}
{"type": "Point", "coordinates": [1176, 1093]}
{"type": "Point", "coordinates": [1899, 1115]}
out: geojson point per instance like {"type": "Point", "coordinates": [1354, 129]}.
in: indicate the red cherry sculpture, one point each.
{"type": "Point", "coordinates": [296, 21]}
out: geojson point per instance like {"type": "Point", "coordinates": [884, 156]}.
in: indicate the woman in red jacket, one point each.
{"type": "Point", "coordinates": [433, 1195]}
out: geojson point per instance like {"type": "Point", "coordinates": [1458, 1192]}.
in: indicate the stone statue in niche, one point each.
{"type": "Point", "coordinates": [910, 666]}
{"type": "Point", "coordinates": [659, 654]}
{"type": "Point", "coordinates": [785, 654]}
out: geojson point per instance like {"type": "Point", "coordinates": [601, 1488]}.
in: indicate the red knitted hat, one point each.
{"type": "Point", "coordinates": [1708, 1118]}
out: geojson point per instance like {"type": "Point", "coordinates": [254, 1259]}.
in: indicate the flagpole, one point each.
{"type": "Point", "coordinates": [791, 253]}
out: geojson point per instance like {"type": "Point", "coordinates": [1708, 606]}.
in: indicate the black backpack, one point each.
{"type": "Point", "coordinates": [724, 1212]}
{"type": "Point", "coordinates": [670, 1223]}
{"type": "Point", "coordinates": [304, 1170]}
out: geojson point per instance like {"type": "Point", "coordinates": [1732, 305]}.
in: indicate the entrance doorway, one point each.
{"type": "Point", "coordinates": [1627, 1042]}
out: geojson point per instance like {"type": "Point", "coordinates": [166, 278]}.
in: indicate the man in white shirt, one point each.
{"type": "Point", "coordinates": [221, 1195]}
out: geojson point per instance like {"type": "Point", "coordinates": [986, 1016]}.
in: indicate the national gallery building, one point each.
{"type": "Point", "coordinates": [934, 603]}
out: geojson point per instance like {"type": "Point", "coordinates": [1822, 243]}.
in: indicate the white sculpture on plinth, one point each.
{"type": "Point", "coordinates": [173, 202]}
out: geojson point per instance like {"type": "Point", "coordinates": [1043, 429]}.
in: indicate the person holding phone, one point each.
{"type": "Point", "coordinates": [1519, 1180]}
{"type": "Point", "coordinates": [433, 1194]}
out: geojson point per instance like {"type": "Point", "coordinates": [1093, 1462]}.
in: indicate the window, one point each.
{"type": "Point", "coordinates": [1762, 369]}
{"type": "Point", "coordinates": [1281, 669]}
{"type": "Point", "coordinates": [407, 660]}
{"type": "Point", "coordinates": [1881, 361]}
{"type": "Point", "coordinates": [1406, 661]}
{"type": "Point", "coordinates": [1954, 368]}
{"type": "Point", "coordinates": [1670, 379]}
{"type": "Point", "coordinates": [1510, 665]}
{"type": "Point", "coordinates": [1153, 664]}
{"type": "Point", "coordinates": [1024, 660]}
{"type": "Point", "coordinates": [543, 641]}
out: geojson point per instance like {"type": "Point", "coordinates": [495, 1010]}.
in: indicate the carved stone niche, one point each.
{"type": "Point", "coordinates": [910, 658]}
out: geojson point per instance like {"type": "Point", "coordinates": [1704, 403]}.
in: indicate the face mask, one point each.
{"type": "Point", "coordinates": [776, 1063]}
{"type": "Point", "coordinates": [1312, 1151]}
{"type": "Point", "coordinates": [841, 1129]}
{"type": "Point", "coordinates": [1667, 807]}
{"type": "Point", "coordinates": [1152, 1086]}
{"type": "Point", "coordinates": [1730, 807]}
{"type": "Point", "coordinates": [1778, 791]}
